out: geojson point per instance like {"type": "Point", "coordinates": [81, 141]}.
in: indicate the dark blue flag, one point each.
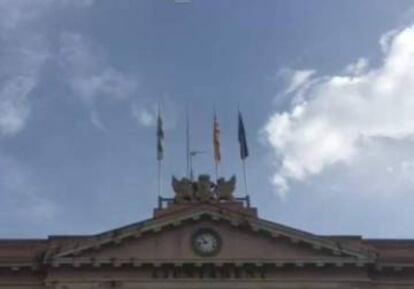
{"type": "Point", "coordinates": [160, 138]}
{"type": "Point", "coordinates": [244, 151]}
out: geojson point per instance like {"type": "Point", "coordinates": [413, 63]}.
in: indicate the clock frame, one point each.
{"type": "Point", "coordinates": [207, 232]}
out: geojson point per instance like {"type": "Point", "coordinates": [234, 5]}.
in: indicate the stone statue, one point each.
{"type": "Point", "coordinates": [184, 190]}
{"type": "Point", "coordinates": [204, 188]}
{"type": "Point", "coordinates": [224, 189]}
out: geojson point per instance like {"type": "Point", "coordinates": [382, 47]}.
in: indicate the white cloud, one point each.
{"type": "Point", "coordinates": [386, 39]}
{"type": "Point", "coordinates": [16, 13]}
{"type": "Point", "coordinates": [358, 67]}
{"type": "Point", "coordinates": [97, 122]}
{"type": "Point", "coordinates": [22, 61]}
{"type": "Point", "coordinates": [14, 109]}
{"type": "Point", "coordinates": [24, 52]}
{"type": "Point", "coordinates": [144, 116]}
{"type": "Point", "coordinates": [338, 115]}
{"type": "Point", "coordinates": [90, 76]}
{"type": "Point", "coordinates": [20, 194]}
{"type": "Point", "coordinates": [145, 111]}
{"type": "Point", "coordinates": [296, 79]}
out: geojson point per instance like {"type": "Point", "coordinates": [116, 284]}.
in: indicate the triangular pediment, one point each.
{"type": "Point", "coordinates": [243, 238]}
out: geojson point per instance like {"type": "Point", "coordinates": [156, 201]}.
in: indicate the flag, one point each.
{"type": "Point", "coordinates": [160, 138]}
{"type": "Point", "coordinates": [216, 139]}
{"type": "Point", "coordinates": [244, 151]}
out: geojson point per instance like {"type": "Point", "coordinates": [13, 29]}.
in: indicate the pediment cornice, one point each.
{"type": "Point", "coordinates": [215, 212]}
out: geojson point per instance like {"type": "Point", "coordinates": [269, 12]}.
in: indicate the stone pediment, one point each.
{"type": "Point", "coordinates": [244, 239]}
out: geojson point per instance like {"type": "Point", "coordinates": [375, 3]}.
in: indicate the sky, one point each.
{"type": "Point", "coordinates": [326, 89]}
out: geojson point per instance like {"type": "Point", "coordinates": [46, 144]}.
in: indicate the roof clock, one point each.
{"type": "Point", "coordinates": [206, 242]}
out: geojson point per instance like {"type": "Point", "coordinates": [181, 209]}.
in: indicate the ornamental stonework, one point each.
{"type": "Point", "coordinates": [206, 237]}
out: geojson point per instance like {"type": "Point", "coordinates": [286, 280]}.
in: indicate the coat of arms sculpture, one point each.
{"type": "Point", "coordinates": [203, 190]}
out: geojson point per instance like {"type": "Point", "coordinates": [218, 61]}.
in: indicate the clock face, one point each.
{"type": "Point", "coordinates": [206, 242]}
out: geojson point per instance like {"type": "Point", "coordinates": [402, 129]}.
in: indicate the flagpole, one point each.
{"type": "Point", "coordinates": [188, 150]}
{"type": "Point", "coordinates": [159, 177]}
{"type": "Point", "coordinates": [216, 171]}
{"type": "Point", "coordinates": [245, 177]}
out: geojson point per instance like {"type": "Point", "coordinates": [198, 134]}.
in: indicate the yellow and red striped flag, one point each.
{"type": "Point", "coordinates": [216, 139]}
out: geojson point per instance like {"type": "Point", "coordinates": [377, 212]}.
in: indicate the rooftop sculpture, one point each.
{"type": "Point", "coordinates": [203, 189]}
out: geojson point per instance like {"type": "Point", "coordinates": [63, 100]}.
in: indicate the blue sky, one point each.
{"type": "Point", "coordinates": [326, 89]}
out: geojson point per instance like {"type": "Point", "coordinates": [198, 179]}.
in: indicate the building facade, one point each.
{"type": "Point", "coordinates": [206, 238]}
